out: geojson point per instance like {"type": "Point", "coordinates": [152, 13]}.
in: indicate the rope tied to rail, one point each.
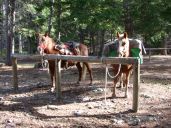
{"type": "Point", "coordinates": [44, 63]}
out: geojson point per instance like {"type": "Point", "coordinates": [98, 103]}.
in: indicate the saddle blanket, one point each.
{"type": "Point", "coordinates": [136, 49]}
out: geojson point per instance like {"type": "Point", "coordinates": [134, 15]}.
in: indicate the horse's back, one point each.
{"type": "Point", "coordinates": [110, 49]}
{"type": "Point", "coordinates": [83, 49]}
{"type": "Point", "coordinates": [136, 43]}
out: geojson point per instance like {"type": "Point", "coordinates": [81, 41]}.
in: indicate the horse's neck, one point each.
{"type": "Point", "coordinates": [51, 50]}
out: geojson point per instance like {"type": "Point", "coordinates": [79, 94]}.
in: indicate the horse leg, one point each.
{"type": "Point", "coordinates": [126, 82]}
{"type": "Point", "coordinates": [121, 81]}
{"type": "Point", "coordinates": [79, 71]}
{"type": "Point", "coordinates": [52, 75]}
{"type": "Point", "coordinates": [90, 72]}
{"type": "Point", "coordinates": [114, 84]}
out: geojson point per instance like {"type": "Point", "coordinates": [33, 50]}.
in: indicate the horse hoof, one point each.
{"type": "Point", "coordinates": [52, 90]}
{"type": "Point", "coordinates": [126, 96]}
{"type": "Point", "coordinates": [119, 86]}
{"type": "Point", "coordinates": [91, 84]}
{"type": "Point", "coordinates": [113, 95]}
{"type": "Point", "coordinates": [78, 82]}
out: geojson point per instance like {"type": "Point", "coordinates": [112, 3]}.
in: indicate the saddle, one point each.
{"type": "Point", "coordinates": [73, 47]}
{"type": "Point", "coordinates": [68, 48]}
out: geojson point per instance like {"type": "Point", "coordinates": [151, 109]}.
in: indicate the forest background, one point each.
{"type": "Point", "coordinates": [93, 22]}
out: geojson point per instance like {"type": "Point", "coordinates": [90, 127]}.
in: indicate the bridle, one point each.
{"type": "Point", "coordinates": [41, 48]}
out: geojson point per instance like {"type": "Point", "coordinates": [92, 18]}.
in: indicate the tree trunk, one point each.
{"type": "Point", "coordinates": [101, 42]}
{"type": "Point", "coordinates": [97, 47]}
{"type": "Point", "coordinates": [92, 43]}
{"type": "Point", "coordinates": [7, 34]}
{"type": "Point", "coordinates": [50, 16]}
{"type": "Point", "coordinates": [20, 44]}
{"type": "Point", "coordinates": [81, 35]}
{"type": "Point", "coordinates": [3, 40]}
{"type": "Point", "coordinates": [111, 35]}
{"type": "Point", "coordinates": [164, 52]}
{"type": "Point", "coordinates": [127, 18]}
{"type": "Point", "coordinates": [12, 24]}
{"type": "Point", "coordinates": [9, 27]}
{"type": "Point", "coordinates": [58, 17]}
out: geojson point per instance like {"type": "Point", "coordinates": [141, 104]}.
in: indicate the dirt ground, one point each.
{"type": "Point", "coordinates": [84, 106]}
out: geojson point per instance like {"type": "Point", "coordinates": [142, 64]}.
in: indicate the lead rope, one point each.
{"type": "Point", "coordinates": [43, 60]}
{"type": "Point", "coordinates": [108, 74]}
{"type": "Point", "coordinates": [107, 70]}
{"type": "Point", "coordinates": [45, 63]}
{"type": "Point", "coordinates": [105, 82]}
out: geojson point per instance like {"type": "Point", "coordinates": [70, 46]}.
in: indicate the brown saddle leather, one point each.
{"type": "Point", "coordinates": [68, 48]}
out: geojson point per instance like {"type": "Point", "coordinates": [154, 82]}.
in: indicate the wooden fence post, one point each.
{"type": "Point", "coordinates": [149, 54]}
{"type": "Point", "coordinates": [84, 71]}
{"type": "Point", "coordinates": [136, 83]}
{"type": "Point", "coordinates": [15, 77]}
{"type": "Point", "coordinates": [58, 78]}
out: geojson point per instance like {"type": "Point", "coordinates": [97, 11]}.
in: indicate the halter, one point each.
{"type": "Point", "coordinates": [44, 62]}
{"type": "Point", "coordinates": [43, 46]}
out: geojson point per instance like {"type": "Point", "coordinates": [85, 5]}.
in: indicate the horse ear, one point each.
{"type": "Point", "coordinates": [117, 34]}
{"type": "Point", "coordinates": [46, 34]}
{"type": "Point", "coordinates": [44, 37]}
{"type": "Point", "coordinates": [37, 34]}
{"type": "Point", "coordinates": [125, 35]}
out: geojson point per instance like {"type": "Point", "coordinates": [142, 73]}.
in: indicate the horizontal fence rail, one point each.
{"type": "Point", "coordinates": [93, 59]}
{"type": "Point", "coordinates": [156, 49]}
{"type": "Point", "coordinates": [89, 59]}
{"type": "Point", "coordinates": [21, 57]}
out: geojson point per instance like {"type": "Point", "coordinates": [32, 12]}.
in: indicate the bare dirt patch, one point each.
{"type": "Point", "coordinates": [83, 105]}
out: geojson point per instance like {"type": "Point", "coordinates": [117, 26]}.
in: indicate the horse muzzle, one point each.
{"type": "Point", "coordinates": [40, 50]}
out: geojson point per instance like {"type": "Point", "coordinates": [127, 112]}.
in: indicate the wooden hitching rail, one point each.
{"type": "Point", "coordinates": [154, 49]}
{"type": "Point", "coordinates": [90, 59]}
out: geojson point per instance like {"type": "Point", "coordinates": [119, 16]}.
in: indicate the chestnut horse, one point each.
{"type": "Point", "coordinates": [136, 49]}
{"type": "Point", "coordinates": [122, 50]}
{"type": "Point", "coordinates": [123, 47]}
{"type": "Point", "coordinates": [48, 46]}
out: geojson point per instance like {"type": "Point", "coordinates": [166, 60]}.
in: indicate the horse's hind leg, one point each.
{"type": "Point", "coordinates": [126, 82]}
{"type": "Point", "coordinates": [121, 81]}
{"type": "Point", "coordinates": [79, 71]}
{"type": "Point", "coordinates": [52, 74]}
{"type": "Point", "coordinates": [90, 72]}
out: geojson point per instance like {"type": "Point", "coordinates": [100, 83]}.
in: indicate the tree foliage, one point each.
{"type": "Point", "coordinates": [84, 19]}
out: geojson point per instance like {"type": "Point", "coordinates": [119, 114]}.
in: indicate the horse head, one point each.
{"type": "Point", "coordinates": [45, 44]}
{"type": "Point", "coordinates": [123, 42]}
